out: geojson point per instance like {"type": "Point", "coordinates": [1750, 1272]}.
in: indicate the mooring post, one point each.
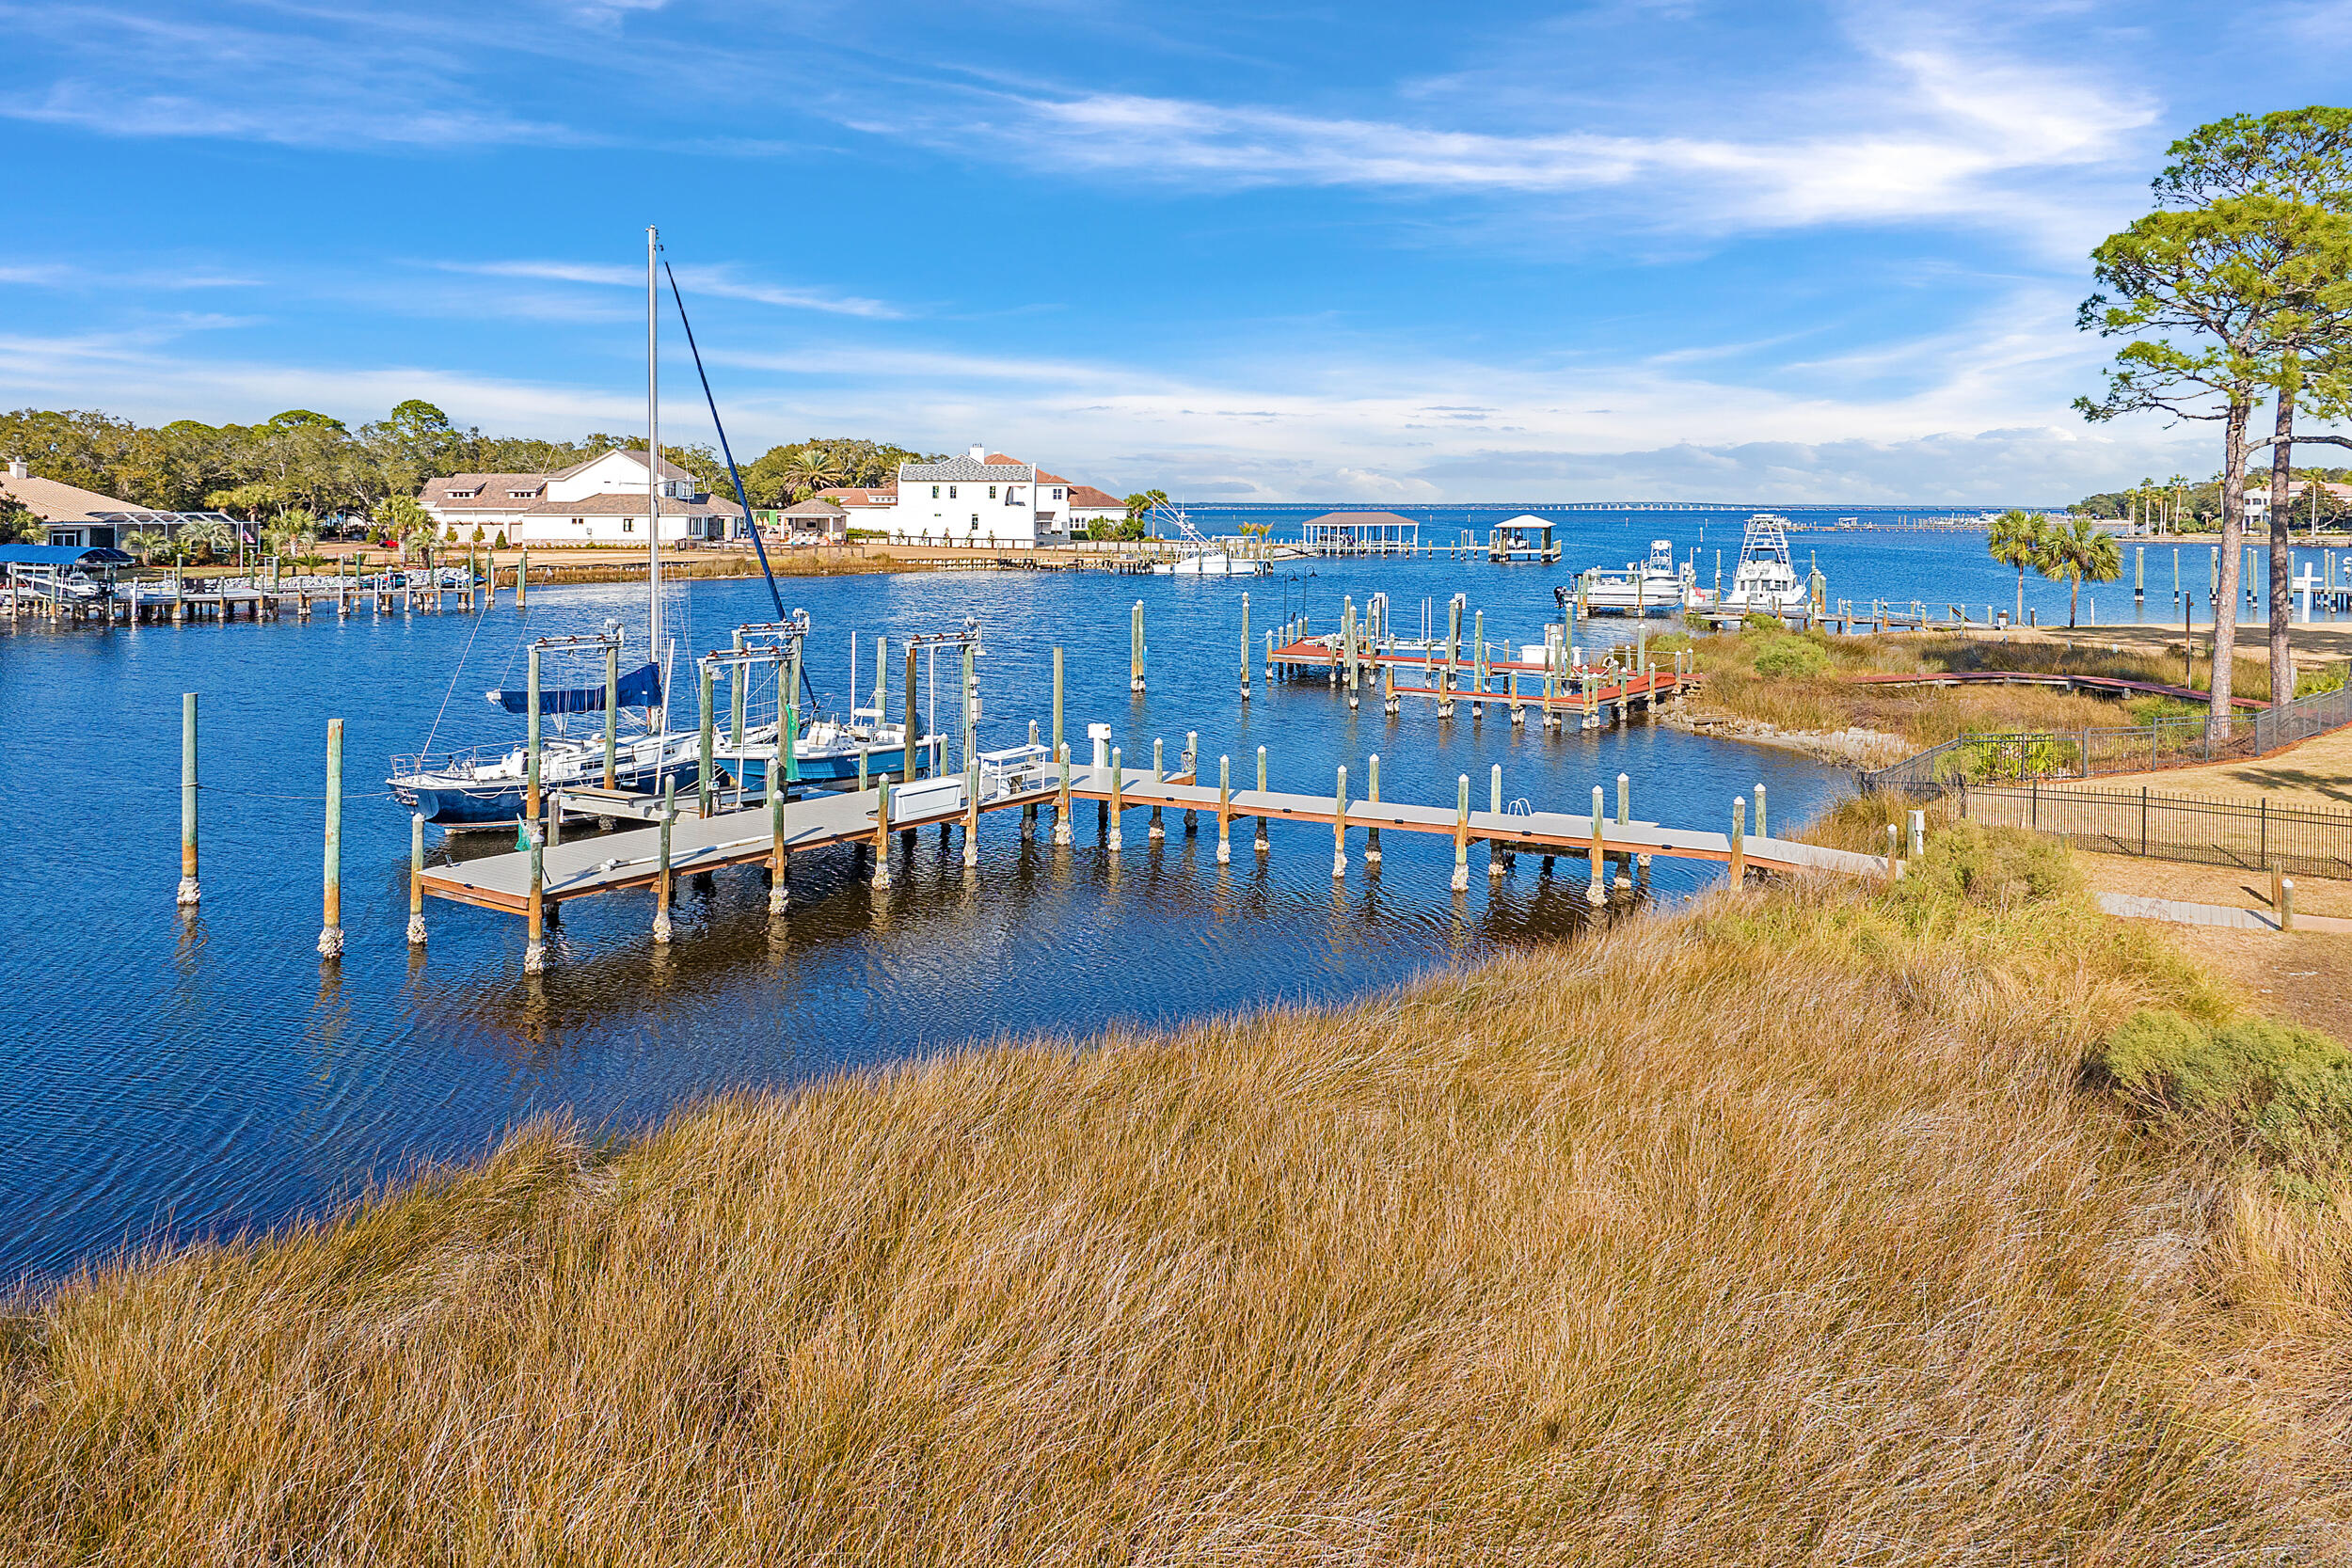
{"type": "Point", "coordinates": [662, 864]}
{"type": "Point", "coordinates": [1269, 658]}
{"type": "Point", "coordinates": [1597, 892]}
{"type": "Point", "coordinates": [1372, 797]}
{"type": "Point", "coordinates": [1461, 836]}
{"type": "Point", "coordinates": [331, 925]}
{"type": "Point", "coordinates": [522, 585]}
{"type": "Point", "coordinates": [1245, 647]}
{"type": "Point", "coordinates": [531, 743]}
{"type": "Point", "coordinates": [416, 879]}
{"type": "Point", "coordinates": [881, 834]}
{"type": "Point", "coordinates": [703, 771]}
{"type": "Point", "coordinates": [1261, 845]}
{"type": "Point", "coordinates": [536, 906]}
{"type": "Point", "coordinates": [613, 716]}
{"type": "Point", "coordinates": [1061, 805]}
{"type": "Point", "coordinates": [971, 812]}
{"type": "Point", "coordinates": [2284, 907]}
{"type": "Point", "coordinates": [910, 732]}
{"type": "Point", "coordinates": [1918, 833]}
{"type": "Point", "coordinates": [1759, 813]}
{"type": "Point", "coordinates": [1224, 810]}
{"type": "Point", "coordinates": [1339, 826]}
{"type": "Point", "coordinates": [1739, 840]}
{"type": "Point", "coordinates": [1135, 650]}
{"type": "Point", "coordinates": [1119, 800]}
{"type": "Point", "coordinates": [1188, 767]}
{"type": "Point", "coordinates": [1894, 852]}
{"type": "Point", "coordinates": [779, 857]}
{"type": "Point", "coordinates": [1156, 831]}
{"type": "Point", "coordinates": [189, 893]}
{"type": "Point", "coordinates": [1498, 857]}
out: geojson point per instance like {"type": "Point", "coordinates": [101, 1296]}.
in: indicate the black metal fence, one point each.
{"type": "Point", "coordinates": [2309, 841]}
{"type": "Point", "coordinates": [1994, 759]}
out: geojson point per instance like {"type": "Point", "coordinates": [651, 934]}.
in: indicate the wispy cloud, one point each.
{"type": "Point", "coordinates": [721, 281]}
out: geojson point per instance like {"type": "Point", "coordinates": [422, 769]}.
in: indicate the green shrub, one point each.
{"type": "Point", "coordinates": [1996, 868]}
{"type": "Point", "coordinates": [1791, 659]}
{"type": "Point", "coordinates": [2274, 1093]}
{"type": "Point", "coordinates": [2328, 677]}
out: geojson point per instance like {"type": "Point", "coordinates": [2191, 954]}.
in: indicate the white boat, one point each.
{"type": "Point", "coordinates": [1766, 581]}
{"type": "Point", "coordinates": [1211, 563]}
{"type": "Point", "coordinates": [1657, 586]}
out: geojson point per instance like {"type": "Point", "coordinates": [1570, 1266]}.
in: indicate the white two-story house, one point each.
{"type": "Point", "coordinates": [599, 501]}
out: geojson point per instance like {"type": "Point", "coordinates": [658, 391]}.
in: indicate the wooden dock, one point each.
{"type": "Point", "coordinates": [749, 837]}
{"type": "Point", "coordinates": [1597, 694]}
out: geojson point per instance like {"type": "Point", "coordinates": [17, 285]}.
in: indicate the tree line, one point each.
{"type": "Point", "coordinates": [2231, 298]}
{"type": "Point", "coordinates": [302, 469]}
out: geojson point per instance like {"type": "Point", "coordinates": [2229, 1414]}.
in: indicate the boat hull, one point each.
{"type": "Point", "coordinates": [499, 802]}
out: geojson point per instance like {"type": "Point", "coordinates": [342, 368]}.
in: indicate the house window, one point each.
{"type": "Point", "coordinates": [1058, 492]}
{"type": "Point", "coordinates": [952, 492]}
{"type": "Point", "coordinates": [992, 492]}
{"type": "Point", "coordinates": [579, 522]}
{"type": "Point", "coordinates": [628, 525]}
{"type": "Point", "coordinates": [934, 492]}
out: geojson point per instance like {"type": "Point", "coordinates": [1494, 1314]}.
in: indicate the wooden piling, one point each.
{"type": "Point", "coordinates": [1135, 649]}
{"type": "Point", "coordinates": [1759, 813]}
{"type": "Point", "coordinates": [1597, 892]}
{"type": "Point", "coordinates": [611, 715]}
{"type": "Point", "coordinates": [1261, 845]}
{"type": "Point", "coordinates": [881, 834]}
{"type": "Point", "coordinates": [1119, 800]}
{"type": "Point", "coordinates": [1498, 858]}
{"type": "Point", "coordinates": [1339, 826]}
{"type": "Point", "coordinates": [331, 924]}
{"type": "Point", "coordinates": [706, 741]}
{"type": "Point", "coordinates": [1461, 836]}
{"type": "Point", "coordinates": [1225, 804]}
{"type": "Point", "coordinates": [661, 931]}
{"type": "Point", "coordinates": [416, 879]}
{"type": "Point", "coordinates": [1159, 772]}
{"type": "Point", "coordinates": [1372, 797]}
{"type": "Point", "coordinates": [910, 732]}
{"type": "Point", "coordinates": [190, 893]}
{"type": "Point", "coordinates": [1739, 841]}
{"type": "Point", "coordinates": [522, 586]}
{"type": "Point", "coordinates": [1245, 647]}
{"type": "Point", "coordinates": [1894, 852]}
{"type": "Point", "coordinates": [535, 926]}
{"type": "Point", "coordinates": [779, 857]}
{"type": "Point", "coordinates": [1061, 805]}
{"type": "Point", "coordinates": [531, 743]}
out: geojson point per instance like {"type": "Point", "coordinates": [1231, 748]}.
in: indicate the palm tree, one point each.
{"type": "Point", "coordinates": [811, 469]}
{"type": "Point", "coordinates": [2082, 550]}
{"type": "Point", "coordinates": [210, 535]}
{"type": "Point", "coordinates": [146, 544]}
{"type": "Point", "coordinates": [2016, 540]}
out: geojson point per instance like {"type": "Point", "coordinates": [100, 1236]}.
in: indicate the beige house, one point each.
{"type": "Point", "coordinates": [602, 500]}
{"type": "Point", "coordinates": [814, 518]}
{"type": "Point", "coordinates": [80, 519]}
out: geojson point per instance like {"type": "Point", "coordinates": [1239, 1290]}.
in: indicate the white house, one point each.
{"type": "Point", "coordinates": [1088, 506]}
{"type": "Point", "coordinates": [600, 501]}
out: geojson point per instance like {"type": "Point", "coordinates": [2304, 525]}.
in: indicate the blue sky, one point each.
{"type": "Point", "coordinates": [1373, 252]}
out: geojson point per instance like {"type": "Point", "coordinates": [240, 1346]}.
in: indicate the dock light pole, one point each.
{"type": "Point", "coordinates": [1339, 826]}
{"type": "Point", "coordinates": [1224, 799]}
{"type": "Point", "coordinates": [189, 893]}
{"type": "Point", "coordinates": [1245, 647]}
{"type": "Point", "coordinates": [530, 760]}
{"type": "Point", "coordinates": [1262, 844]}
{"type": "Point", "coordinates": [613, 716]}
{"type": "Point", "coordinates": [1461, 836]}
{"type": "Point", "coordinates": [1372, 797]}
{"type": "Point", "coordinates": [416, 879]}
{"type": "Point", "coordinates": [1135, 649]}
{"type": "Point", "coordinates": [661, 865]}
{"type": "Point", "coordinates": [331, 925]}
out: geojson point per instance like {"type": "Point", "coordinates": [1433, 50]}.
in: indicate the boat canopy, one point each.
{"type": "Point", "coordinates": [640, 687]}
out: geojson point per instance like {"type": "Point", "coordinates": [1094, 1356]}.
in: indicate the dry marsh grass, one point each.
{"type": "Point", "coordinates": [1824, 698]}
{"type": "Point", "coordinates": [1785, 1230]}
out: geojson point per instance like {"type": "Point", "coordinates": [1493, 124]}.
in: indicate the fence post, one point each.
{"type": "Point", "coordinates": [2143, 821]}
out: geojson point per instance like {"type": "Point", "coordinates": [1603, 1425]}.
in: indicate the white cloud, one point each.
{"type": "Point", "coordinates": [701, 279]}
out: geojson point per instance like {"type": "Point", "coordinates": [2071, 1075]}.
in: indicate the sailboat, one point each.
{"type": "Point", "coordinates": [489, 786]}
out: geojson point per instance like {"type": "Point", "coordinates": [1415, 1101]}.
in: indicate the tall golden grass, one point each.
{"type": "Point", "coordinates": [1927, 716]}
{"type": "Point", "coordinates": [1785, 1230]}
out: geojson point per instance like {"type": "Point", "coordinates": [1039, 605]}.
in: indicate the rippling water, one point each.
{"type": "Point", "coordinates": [170, 1077]}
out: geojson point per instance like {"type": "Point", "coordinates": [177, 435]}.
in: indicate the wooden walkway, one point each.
{"type": "Point", "coordinates": [614, 863]}
{"type": "Point", "coordinates": [2109, 685]}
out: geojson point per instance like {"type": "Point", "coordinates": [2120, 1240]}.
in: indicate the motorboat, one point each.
{"type": "Point", "coordinates": [1766, 581]}
{"type": "Point", "coordinates": [1657, 586]}
{"type": "Point", "coordinates": [1212, 563]}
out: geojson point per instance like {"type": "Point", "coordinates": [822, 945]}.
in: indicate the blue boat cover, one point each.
{"type": "Point", "coordinates": [640, 687]}
{"type": "Point", "coordinates": [64, 555]}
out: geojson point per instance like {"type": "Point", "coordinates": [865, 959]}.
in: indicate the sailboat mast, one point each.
{"type": "Point", "coordinates": [653, 475]}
